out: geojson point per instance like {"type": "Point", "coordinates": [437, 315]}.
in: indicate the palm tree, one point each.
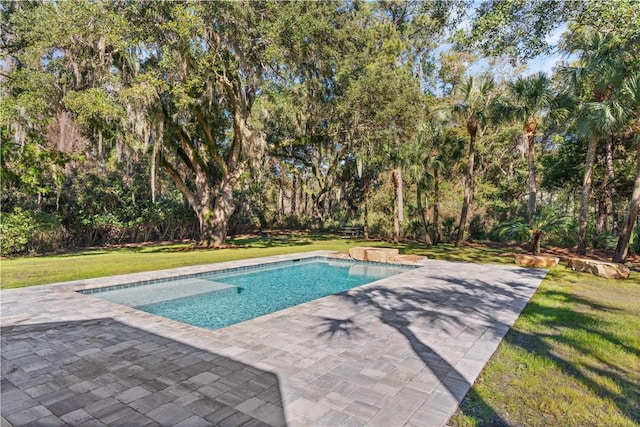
{"type": "Point", "coordinates": [595, 80]}
{"type": "Point", "coordinates": [446, 148]}
{"type": "Point", "coordinates": [528, 96]}
{"type": "Point", "coordinates": [416, 164]}
{"type": "Point", "coordinates": [474, 97]}
{"type": "Point", "coordinates": [542, 223]}
{"type": "Point", "coordinates": [631, 90]}
{"type": "Point", "coordinates": [424, 161]}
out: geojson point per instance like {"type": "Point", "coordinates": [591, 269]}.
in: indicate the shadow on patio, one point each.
{"type": "Point", "coordinates": [102, 371]}
{"type": "Point", "coordinates": [415, 313]}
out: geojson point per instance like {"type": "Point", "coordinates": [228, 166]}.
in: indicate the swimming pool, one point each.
{"type": "Point", "coordinates": [218, 299]}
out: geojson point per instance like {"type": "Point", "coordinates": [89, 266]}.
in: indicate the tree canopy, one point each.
{"type": "Point", "coordinates": [129, 121]}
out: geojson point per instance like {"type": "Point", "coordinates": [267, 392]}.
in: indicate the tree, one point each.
{"type": "Point", "coordinates": [383, 102]}
{"type": "Point", "coordinates": [390, 109]}
{"type": "Point", "coordinates": [596, 81]}
{"type": "Point", "coordinates": [528, 97]}
{"type": "Point", "coordinates": [180, 76]}
{"type": "Point", "coordinates": [204, 61]}
{"type": "Point", "coordinates": [473, 99]}
{"type": "Point", "coordinates": [542, 223]}
{"type": "Point", "coordinates": [419, 161]}
{"type": "Point", "coordinates": [631, 88]}
{"type": "Point", "coordinates": [524, 29]}
{"type": "Point", "coordinates": [310, 42]}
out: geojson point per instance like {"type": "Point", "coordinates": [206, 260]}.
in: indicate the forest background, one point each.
{"type": "Point", "coordinates": [127, 122]}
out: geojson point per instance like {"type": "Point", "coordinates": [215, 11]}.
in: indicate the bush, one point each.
{"type": "Point", "coordinates": [414, 229]}
{"type": "Point", "coordinates": [605, 241]}
{"type": "Point", "coordinates": [298, 222]}
{"type": "Point", "coordinates": [380, 225]}
{"type": "Point", "coordinates": [477, 228]}
{"type": "Point", "coordinates": [15, 230]}
{"type": "Point", "coordinates": [24, 231]}
{"type": "Point", "coordinates": [49, 235]}
{"type": "Point", "coordinates": [566, 237]}
{"type": "Point", "coordinates": [449, 228]}
{"type": "Point", "coordinates": [545, 222]}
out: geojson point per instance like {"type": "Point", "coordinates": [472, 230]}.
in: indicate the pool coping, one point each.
{"type": "Point", "coordinates": [179, 272]}
{"type": "Point", "coordinates": [175, 275]}
{"type": "Point", "coordinates": [418, 378]}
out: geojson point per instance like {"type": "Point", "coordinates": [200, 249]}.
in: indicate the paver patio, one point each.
{"type": "Point", "coordinates": [400, 351]}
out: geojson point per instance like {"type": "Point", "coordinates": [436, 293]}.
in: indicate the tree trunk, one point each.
{"type": "Point", "coordinates": [221, 214]}
{"type": "Point", "coordinates": [611, 187]}
{"type": "Point", "coordinates": [601, 217]}
{"type": "Point", "coordinates": [365, 227]}
{"type": "Point", "coordinates": [607, 190]}
{"type": "Point", "coordinates": [436, 206]}
{"type": "Point", "coordinates": [204, 214]}
{"type": "Point", "coordinates": [537, 236]}
{"type": "Point", "coordinates": [423, 216]}
{"type": "Point", "coordinates": [100, 152]}
{"type": "Point", "coordinates": [472, 127]}
{"type": "Point", "coordinates": [281, 196]}
{"type": "Point", "coordinates": [584, 201]}
{"type": "Point", "coordinates": [294, 194]}
{"type": "Point", "coordinates": [157, 147]}
{"type": "Point", "coordinates": [530, 134]}
{"type": "Point", "coordinates": [396, 175]}
{"type": "Point", "coordinates": [630, 218]}
{"type": "Point", "coordinates": [396, 224]}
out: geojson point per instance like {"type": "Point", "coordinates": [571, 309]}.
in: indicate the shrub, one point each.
{"type": "Point", "coordinates": [449, 228]}
{"type": "Point", "coordinates": [24, 231]}
{"type": "Point", "coordinates": [477, 228]}
{"type": "Point", "coordinates": [546, 221]}
{"type": "Point", "coordinates": [380, 225]}
{"type": "Point", "coordinates": [414, 229]}
{"type": "Point", "coordinates": [15, 230]}
{"type": "Point", "coordinates": [49, 234]}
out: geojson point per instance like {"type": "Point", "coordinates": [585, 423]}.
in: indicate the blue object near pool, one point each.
{"type": "Point", "coordinates": [218, 299]}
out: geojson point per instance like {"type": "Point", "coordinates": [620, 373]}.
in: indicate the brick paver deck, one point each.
{"type": "Point", "coordinates": [400, 351]}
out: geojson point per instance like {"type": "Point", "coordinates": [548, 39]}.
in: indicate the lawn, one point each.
{"type": "Point", "coordinates": [28, 271]}
{"type": "Point", "coordinates": [571, 359]}
{"type": "Point", "coordinates": [96, 263]}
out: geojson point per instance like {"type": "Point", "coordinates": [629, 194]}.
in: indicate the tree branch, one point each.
{"type": "Point", "coordinates": [211, 142]}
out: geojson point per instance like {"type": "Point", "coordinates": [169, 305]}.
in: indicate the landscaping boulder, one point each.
{"type": "Point", "coordinates": [608, 270]}
{"type": "Point", "coordinates": [407, 259]}
{"type": "Point", "coordinates": [373, 254]}
{"type": "Point", "coordinates": [339, 255]}
{"type": "Point", "coordinates": [377, 254]}
{"type": "Point", "coordinates": [537, 261]}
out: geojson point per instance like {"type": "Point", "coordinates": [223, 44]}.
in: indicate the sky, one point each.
{"type": "Point", "coordinates": [542, 63]}
{"type": "Point", "coordinates": [546, 63]}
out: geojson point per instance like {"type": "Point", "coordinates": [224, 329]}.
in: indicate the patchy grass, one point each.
{"type": "Point", "coordinates": [571, 359]}
{"type": "Point", "coordinates": [465, 253]}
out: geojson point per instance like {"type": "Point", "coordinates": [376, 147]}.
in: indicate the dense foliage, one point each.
{"type": "Point", "coordinates": [137, 121]}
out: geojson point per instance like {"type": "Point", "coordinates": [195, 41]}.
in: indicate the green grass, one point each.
{"type": "Point", "coordinates": [88, 264]}
{"type": "Point", "coordinates": [29, 271]}
{"type": "Point", "coordinates": [571, 359]}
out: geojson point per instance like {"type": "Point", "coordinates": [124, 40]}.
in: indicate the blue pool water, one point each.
{"type": "Point", "coordinates": [220, 299]}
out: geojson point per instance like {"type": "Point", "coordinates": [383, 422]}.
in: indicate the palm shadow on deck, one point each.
{"type": "Point", "coordinates": [410, 311]}
{"type": "Point", "coordinates": [104, 372]}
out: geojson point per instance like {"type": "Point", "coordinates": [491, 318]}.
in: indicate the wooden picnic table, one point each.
{"type": "Point", "coordinates": [353, 231]}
